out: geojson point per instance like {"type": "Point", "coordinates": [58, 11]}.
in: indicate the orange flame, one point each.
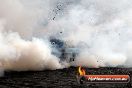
{"type": "Point", "coordinates": [81, 71]}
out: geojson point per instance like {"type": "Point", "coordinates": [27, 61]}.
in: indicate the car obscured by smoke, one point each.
{"type": "Point", "coordinates": [63, 51]}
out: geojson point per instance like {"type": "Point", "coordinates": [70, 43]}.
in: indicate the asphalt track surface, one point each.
{"type": "Point", "coordinates": [61, 78]}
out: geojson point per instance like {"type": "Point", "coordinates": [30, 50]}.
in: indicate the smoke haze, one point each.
{"type": "Point", "coordinates": [101, 29]}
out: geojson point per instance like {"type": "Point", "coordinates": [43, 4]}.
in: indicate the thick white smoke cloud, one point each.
{"type": "Point", "coordinates": [100, 29]}
{"type": "Point", "coordinates": [19, 49]}
{"type": "Point", "coordinates": [19, 54]}
{"type": "Point", "coordinates": [105, 27]}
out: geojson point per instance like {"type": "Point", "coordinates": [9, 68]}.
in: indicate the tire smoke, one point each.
{"type": "Point", "coordinates": [100, 29]}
